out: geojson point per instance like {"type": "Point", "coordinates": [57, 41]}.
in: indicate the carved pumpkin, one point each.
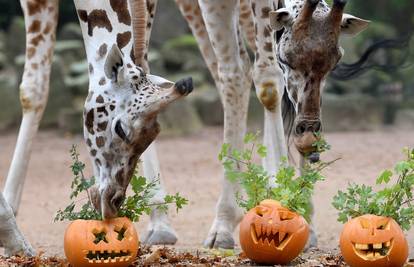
{"type": "Point", "coordinates": [101, 243]}
{"type": "Point", "coordinates": [371, 240]}
{"type": "Point", "coordinates": [272, 234]}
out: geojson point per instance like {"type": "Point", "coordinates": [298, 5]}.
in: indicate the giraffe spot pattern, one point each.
{"type": "Point", "coordinates": [35, 26]}
{"type": "Point", "coordinates": [121, 9]}
{"type": "Point", "coordinates": [90, 116]}
{"type": "Point", "coordinates": [102, 50]}
{"type": "Point", "coordinates": [122, 39]}
{"type": "Point", "coordinates": [100, 141]}
{"type": "Point", "coordinates": [98, 18]}
{"type": "Point", "coordinates": [37, 6]}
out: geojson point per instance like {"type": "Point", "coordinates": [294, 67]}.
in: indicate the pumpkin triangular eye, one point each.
{"type": "Point", "coordinates": [100, 236]}
{"type": "Point", "coordinates": [285, 215]}
{"type": "Point", "coordinates": [382, 225]}
{"type": "Point", "coordinates": [121, 232]}
{"type": "Point", "coordinates": [261, 211]}
{"type": "Point", "coordinates": [364, 223]}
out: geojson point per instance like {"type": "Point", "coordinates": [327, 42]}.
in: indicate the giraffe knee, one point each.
{"type": "Point", "coordinates": [31, 100]}
{"type": "Point", "coordinates": [268, 95]}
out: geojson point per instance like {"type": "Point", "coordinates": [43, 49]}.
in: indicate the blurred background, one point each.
{"type": "Point", "coordinates": [368, 119]}
{"type": "Point", "coordinates": [372, 101]}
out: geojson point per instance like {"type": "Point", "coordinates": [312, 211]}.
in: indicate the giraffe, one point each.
{"type": "Point", "coordinates": [296, 46]}
{"type": "Point", "coordinates": [120, 111]}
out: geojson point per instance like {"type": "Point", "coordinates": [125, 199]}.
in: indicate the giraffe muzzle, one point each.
{"type": "Point", "coordinates": [184, 86]}
{"type": "Point", "coordinates": [108, 201]}
{"type": "Point", "coordinates": [305, 137]}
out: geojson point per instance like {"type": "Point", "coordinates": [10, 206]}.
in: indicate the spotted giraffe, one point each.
{"type": "Point", "coordinates": [120, 114]}
{"type": "Point", "coordinates": [296, 46]}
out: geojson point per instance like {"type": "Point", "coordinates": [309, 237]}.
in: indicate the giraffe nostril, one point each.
{"type": "Point", "coordinates": [118, 199]}
{"type": "Point", "coordinates": [300, 128]}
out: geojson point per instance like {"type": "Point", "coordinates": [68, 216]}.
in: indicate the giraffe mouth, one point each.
{"type": "Point", "coordinates": [273, 237]}
{"type": "Point", "coordinates": [105, 256]}
{"type": "Point", "coordinates": [372, 252]}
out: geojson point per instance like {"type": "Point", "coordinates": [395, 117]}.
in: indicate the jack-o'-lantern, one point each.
{"type": "Point", "coordinates": [371, 240]}
{"type": "Point", "coordinates": [111, 242]}
{"type": "Point", "coordinates": [272, 234]}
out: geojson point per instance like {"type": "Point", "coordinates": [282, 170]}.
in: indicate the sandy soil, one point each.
{"type": "Point", "coordinates": [190, 165]}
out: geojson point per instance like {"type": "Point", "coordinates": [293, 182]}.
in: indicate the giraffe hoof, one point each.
{"type": "Point", "coordinates": [219, 240]}
{"type": "Point", "coordinates": [160, 237]}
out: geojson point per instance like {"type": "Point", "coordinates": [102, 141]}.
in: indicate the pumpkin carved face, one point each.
{"type": "Point", "coordinates": [272, 234]}
{"type": "Point", "coordinates": [371, 240]}
{"type": "Point", "coordinates": [112, 242]}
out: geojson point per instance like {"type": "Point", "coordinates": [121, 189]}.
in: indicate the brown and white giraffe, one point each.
{"type": "Point", "coordinates": [120, 115]}
{"type": "Point", "coordinates": [289, 71]}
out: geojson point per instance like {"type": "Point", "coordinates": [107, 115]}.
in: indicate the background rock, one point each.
{"type": "Point", "coordinates": [351, 112]}
{"type": "Point", "coordinates": [179, 118]}
{"type": "Point", "coordinates": [404, 119]}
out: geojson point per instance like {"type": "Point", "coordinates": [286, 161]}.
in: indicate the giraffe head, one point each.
{"type": "Point", "coordinates": [307, 50]}
{"type": "Point", "coordinates": [120, 122]}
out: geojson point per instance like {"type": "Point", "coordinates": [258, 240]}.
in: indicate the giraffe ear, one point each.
{"type": "Point", "coordinates": [352, 25]}
{"type": "Point", "coordinates": [280, 19]}
{"type": "Point", "coordinates": [113, 67]}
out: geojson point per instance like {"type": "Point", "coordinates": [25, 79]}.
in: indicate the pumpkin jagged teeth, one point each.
{"type": "Point", "coordinates": [258, 229]}
{"type": "Point", "coordinates": [377, 245]}
{"type": "Point", "coordinates": [377, 255]}
{"type": "Point", "coordinates": [281, 236]}
{"type": "Point", "coordinates": [274, 230]}
{"type": "Point", "coordinates": [361, 246]}
{"type": "Point", "coordinates": [272, 243]}
{"type": "Point", "coordinates": [370, 255]}
{"type": "Point", "coordinates": [268, 231]}
{"type": "Point", "coordinates": [388, 244]}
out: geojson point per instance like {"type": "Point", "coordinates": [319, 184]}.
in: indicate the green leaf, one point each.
{"type": "Point", "coordinates": [138, 183]}
{"type": "Point", "coordinates": [262, 151]}
{"type": "Point", "coordinates": [385, 177]}
{"type": "Point", "coordinates": [249, 138]}
{"type": "Point", "coordinates": [225, 148]}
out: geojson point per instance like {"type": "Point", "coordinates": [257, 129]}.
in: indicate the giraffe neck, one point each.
{"type": "Point", "coordinates": [104, 23]}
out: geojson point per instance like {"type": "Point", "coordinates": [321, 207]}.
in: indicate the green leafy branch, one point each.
{"type": "Point", "coordinates": [133, 207]}
{"type": "Point", "coordinates": [293, 192]}
{"type": "Point", "coordinates": [394, 200]}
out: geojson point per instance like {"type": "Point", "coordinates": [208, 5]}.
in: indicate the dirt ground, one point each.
{"type": "Point", "coordinates": [190, 166]}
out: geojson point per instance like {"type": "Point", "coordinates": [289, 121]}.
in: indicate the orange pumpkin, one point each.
{"type": "Point", "coordinates": [371, 240]}
{"type": "Point", "coordinates": [272, 234]}
{"type": "Point", "coordinates": [101, 243]}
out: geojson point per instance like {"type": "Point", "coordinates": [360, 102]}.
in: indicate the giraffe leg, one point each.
{"type": "Point", "coordinates": [247, 24]}
{"type": "Point", "coordinates": [190, 10]}
{"type": "Point", "coordinates": [313, 239]}
{"type": "Point", "coordinates": [159, 229]}
{"type": "Point", "coordinates": [41, 21]}
{"type": "Point", "coordinates": [10, 236]}
{"type": "Point", "coordinates": [222, 24]}
{"type": "Point", "coordinates": [268, 81]}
